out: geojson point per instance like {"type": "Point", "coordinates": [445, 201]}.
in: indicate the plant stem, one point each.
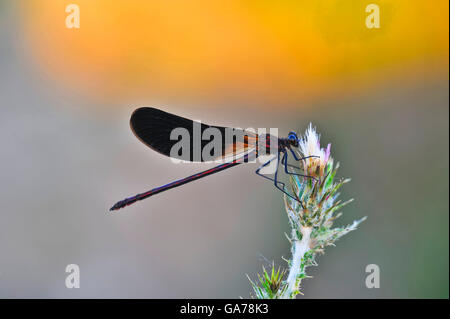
{"type": "Point", "coordinates": [300, 248]}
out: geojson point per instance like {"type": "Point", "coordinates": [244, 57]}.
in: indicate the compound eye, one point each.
{"type": "Point", "coordinates": [292, 136]}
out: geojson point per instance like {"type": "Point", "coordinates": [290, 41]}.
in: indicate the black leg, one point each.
{"type": "Point", "coordinates": [301, 158]}
{"type": "Point", "coordinates": [276, 172]}
{"type": "Point", "coordinates": [264, 165]}
{"type": "Point", "coordinates": [275, 180]}
{"type": "Point", "coordinates": [286, 165]}
{"type": "Point", "coordinates": [276, 175]}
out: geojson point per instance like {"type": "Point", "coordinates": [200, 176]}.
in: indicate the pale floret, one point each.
{"type": "Point", "coordinates": [309, 145]}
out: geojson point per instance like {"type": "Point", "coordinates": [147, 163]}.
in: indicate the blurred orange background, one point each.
{"type": "Point", "coordinates": [271, 53]}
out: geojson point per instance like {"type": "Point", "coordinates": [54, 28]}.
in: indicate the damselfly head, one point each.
{"type": "Point", "coordinates": [293, 138]}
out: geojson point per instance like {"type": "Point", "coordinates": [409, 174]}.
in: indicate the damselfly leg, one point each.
{"type": "Point", "coordinates": [275, 180]}
{"type": "Point", "coordinates": [286, 165]}
{"type": "Point", "coordinates": [267, 177]}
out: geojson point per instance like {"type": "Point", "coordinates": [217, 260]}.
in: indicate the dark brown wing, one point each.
{"type": "Point", "coordinates": [154, 127]}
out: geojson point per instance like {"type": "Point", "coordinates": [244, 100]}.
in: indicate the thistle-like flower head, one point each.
{"type": "Point", "coordinates": [316, 157]}
{"type": "Point", "coordinates": [311, 212]}
{"type": "Point", "coordinates": [319, 194]}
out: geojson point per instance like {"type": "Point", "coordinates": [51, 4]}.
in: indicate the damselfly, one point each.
{"type": "Point", "coordinates": [155, 129]}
